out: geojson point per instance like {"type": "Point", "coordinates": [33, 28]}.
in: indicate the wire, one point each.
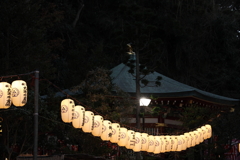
{"type": "Point", "coordinates": [10, 76]}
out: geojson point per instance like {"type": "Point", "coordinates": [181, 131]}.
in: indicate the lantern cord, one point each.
{"type": "Point", "coordinates": [67, 95]}
{"type": "Point", "coordinates": [11, 76]}
{"type": "Point", "coordinates": [123, 125]}
{"type": "Point", "coordinates": [96, 113]}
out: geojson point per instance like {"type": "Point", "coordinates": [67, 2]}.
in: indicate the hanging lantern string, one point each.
{"type": "Point", "coordinates": [129, 127]}
{"type": "Point", "coordinates": [69, 96]}
{"type": "Point", "coordinates": [95, 112]}
{"type": "Point", "coordinates": [124, 125]}
{"type": "Point", "coordinates": [18, 75]}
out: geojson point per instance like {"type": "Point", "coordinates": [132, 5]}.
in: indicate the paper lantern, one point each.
{"type": "Point", "coordinates": [184, 142]}
{"type": "Point", "coordinates": [123, 137]}
{"type": "Point", "coordinates": [167, 143]}
{"type": "Point", "coordinates": [5, 95]}
{"type": "Point", "coordinates": [88, 122]}
{"type": "Point", "coordinates": [192, 135]}
{"type": "Point", "coordinates": [204, 130]}
{"type": "Point", "coordinates": [188, 140]}
{"type": "Point", "coordinates": [138, 142]}
{"type": "Point", "coordinates": [163, 144]}
{"type": "Point", "coordinates": [115, 133]}
{"type": "Point", "coordinates": [174, 142]}
{"type": "Point", "coordinates": [196, 137]}
{"type": "Point", "coordinates": [131, 139]}
{"type": "Point", "coordinates": [67, 109]}
{"type": "Point", "coordinates": [144, 142]}
{"type": "Point", "coordinates": [106, 130]}
{"type": "Point", "coordinates": [97, 126]}
{"type": "Point", "coordinates": [78, 116]}
{"type": "Point", "coordinates": [209, 130]}
{"type": "Point", "coordinates": [201, 138]}
{"type": "Point", "coordinates": [151, 143]}
{"type": "Point", "coordinates": [19, 93]}
{"type": "Point", "coordinates": [180, 142]}
{"type": "Point", "coordinates": [158, 145]}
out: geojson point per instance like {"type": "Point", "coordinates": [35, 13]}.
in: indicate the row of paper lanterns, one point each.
{"type": "Point", "coordinates": [14, 93]}
{"type": "Point", "coordinates": [113, 132]}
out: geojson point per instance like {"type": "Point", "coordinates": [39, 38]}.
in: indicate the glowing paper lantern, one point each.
{"type": "Point", "coordinates": [138, 142]}
{"type": "Point", "coordinates": [97, 126]}
{"type": "Point", "coordinates": [174, 142]}
{"type": "Point", "coordinates": [5, 95]}
{"type": "Point", "coordinates": [131, 139]}
{"type": "Point", "coordinates": [180, 142]}
{"type": "Point", "coordinates": [196, 137]}
{"type": "Point", "coordinates": [123, 137]}
{"type": "Point", "coordinates": [167, 140]}
{"type": "Point", "coordinates": [67, 109]}
{"type": "Point", "coordinates": [19, 93]}
{"type": "Point", "coordinates": [188, 140]}
{"type": "Point", "coordinates": [184, 142]}
{"type": "Point", "coordinates": [151, 143]}
{"type": "Point", "coordinates": [144, 142]}
{"type": "Point", "coordinates": [88, 122]}
{"type": "Point", "coordinates": [158, 145]}
{"type": "Point", "coordinates": [106, 130]}
{"type": "Point", "coordinates": [163, 144]}
{"type": "Point", "coordinates": [209, 130]}
{"type": "Point", "coordinates": [204, 129]}
{"type": "Point", "coordinates": [201, 138]}
{"type": "Point", "coordinates": [115, 133]}
{"type": "Point", "coordinates": [192, 135]}
{"type": "Point", "coordinates": [78, 116]}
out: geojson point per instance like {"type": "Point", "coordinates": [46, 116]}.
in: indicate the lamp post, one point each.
{"type": "Point", "coordinates": [144, 102]}
{"type": "Point", "coordinates": [35, 114]}
{"type": "Point", "coordinates": [137, 91]}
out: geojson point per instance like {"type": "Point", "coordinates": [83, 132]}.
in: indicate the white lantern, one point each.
{"type": "Point", "coordinates": [123, 137]}
{"type": "Point", "coordinates": [88, 122]}
{"type": "Point", "coordinates": [151, 143]}
{"type": "Point", "coordinates": [238, 147]}
{"type": "Point", "coordinates": [174, 142]}
{"type": "Point", "coordinates": [67, 109]}
{"type": "Point", "coordinates": [5, 95]}
{"type": "Point", "coordinates": [106, 130]}
{"type": "Point", "coordinates": [98, 125]}
{"type": "Point", "coordinates": [78, 116]}
{"type": "Point", "coordinates": [184, 142]}
{"type": "Point", "coordinates": [188, 140]}
{"type": "Point", "coordinates": [131, 139]}
{"type": "Point", "coordinates": [163, 144]}
{"type": "Point", "coordinates": [115, 133]}
{"type": "Point", "coordinates": [167, 143]}
{"type": "Point", "coordinates": [204, 130]}
{"type": "Point", "coordinates": [201, 138]}
{"type": "Point", "coordinates": [144, 142]}
{"type": "Point", "coordinates": [180, 142]}
{"type": "Point", "coordinates": [197, 136]}
{"type": "Point", "coordinates": [138, 142]}
{"type": "Point", "coordinates": [158, 145]}
{"type": "Point", "coordinates": [209, 130]}
{"type": "Point", "coordinates": [192, 135]}
{"type": "Point", "coordinates": [19, 93]}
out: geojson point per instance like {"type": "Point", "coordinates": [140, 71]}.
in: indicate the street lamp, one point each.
{"type": "Point", "coordinates": [144, 102]}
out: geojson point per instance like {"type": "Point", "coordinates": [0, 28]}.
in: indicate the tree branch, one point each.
{"type": "Point", "coordinates": [78, 14]}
